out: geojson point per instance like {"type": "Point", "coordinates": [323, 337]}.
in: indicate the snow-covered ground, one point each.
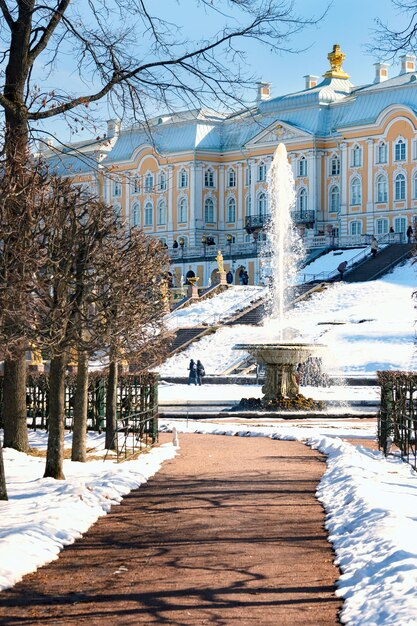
{"type": "Point", "coordinates": [367, 327]}
{"type": "Point", "coordinates": [214, 310]}
{"type": "Point", "coordinates": [329, 262]}
{"type": "Point", "coordinates": [43, 515]}
{"type": "Point", "coordinates": [370, 504]}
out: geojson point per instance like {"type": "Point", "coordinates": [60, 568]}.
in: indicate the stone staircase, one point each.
{"type": "Point", "coordinates": [383, 262]}
{"type": "Point", "coordinates": [184, 336]}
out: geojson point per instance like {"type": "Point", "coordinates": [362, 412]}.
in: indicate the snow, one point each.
{"type": "Point", "coordinates": [328, 263]}
{"type": "Point", "coordinates": [216, 309]}
{"type": "Point", "coordinates": [370, 504]}
{"type": "Point", "coordinates": [367, 327]}
{"type": "Point", "coordinates": [43, 515]}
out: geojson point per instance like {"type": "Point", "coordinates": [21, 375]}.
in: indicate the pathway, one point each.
{"type": "Point", "coordinates": [229, 532]}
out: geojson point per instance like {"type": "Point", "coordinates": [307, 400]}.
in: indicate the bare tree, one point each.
{"type": "Point", "coordinates": [3, 489]}
{"type": "Point", "coordinates": [389, 42]}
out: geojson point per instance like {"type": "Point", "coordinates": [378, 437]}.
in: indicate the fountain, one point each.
{"type": "Point", "coordinates": [284, 244]}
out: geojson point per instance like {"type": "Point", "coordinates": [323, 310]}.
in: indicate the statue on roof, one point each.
{"type": "Point", "coordinates": [336, 58]}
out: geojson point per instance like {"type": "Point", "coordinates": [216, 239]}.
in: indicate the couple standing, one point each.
{"type": "Point", "coordinates": [196, 372]}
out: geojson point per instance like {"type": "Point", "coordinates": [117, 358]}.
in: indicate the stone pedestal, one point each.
{"type": "Point", "coordinates": [222, 278]}
{"type": "Point", "coordinates": [281, 382]}
{"type": "Point", "coordinates": [192, 292]}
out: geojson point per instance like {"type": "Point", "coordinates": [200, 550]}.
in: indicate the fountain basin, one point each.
{"type": "Point", "coordinates": [281, 389]}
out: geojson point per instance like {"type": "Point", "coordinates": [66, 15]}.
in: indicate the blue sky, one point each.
{"type": "Point", "coordinates": [348, 23]}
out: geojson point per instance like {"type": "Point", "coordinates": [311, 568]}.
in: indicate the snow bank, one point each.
{"type": "Point", "coordinates": [43, 515]}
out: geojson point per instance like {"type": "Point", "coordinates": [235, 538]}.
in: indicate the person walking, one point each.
{"type": "Point", "coordinates": [341, 268]}
{"type": "Point", "coordinates": [201, 372]}
{"type": "Point", "coordinates": [409, 234]}
{"type": "Point", "coordinates": [229, 277]}
{"type": "Point", "coordinates": [374, 247]}
{"type": "Point", "coordinates": [192, 376]}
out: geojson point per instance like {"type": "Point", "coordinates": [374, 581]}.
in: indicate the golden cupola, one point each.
{"type": "Point", "coordinates": [336, 58]}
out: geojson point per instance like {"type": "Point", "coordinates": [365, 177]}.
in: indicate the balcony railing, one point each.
{"type": "Point", "coordinates": [257, 222]}
{"type": "Point", "coordinates": [303, 217]}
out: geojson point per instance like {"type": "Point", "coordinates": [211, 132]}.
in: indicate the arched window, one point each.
{"type": "Point", "coordinates": [302, 200]}
{"type": "Point", "coordinates": [248, 175]}
{"type": "Point", "coordinates": [231, 210]}
{"type": "Point", "coordinates": [261, 172]}
{"type": "Point", "coordinates": [183, 211]}
{"type": "Point", "coordinates": [356, 228]}
{"type": "Point", "coordinates": [334, 199]}
{"type": "Point", "coordinates": [117, 208]}
{"type": "Point", "coordinates": [231, 177]}
{"type": "Point", "coordinates": [381, 152]}
{"type": "Point", "coordinates": [136, 184]}
{"type": "Point", "coordinates": [334, 166]}
{"type": "Point", "coordinates": [135, 215]}
{"type": "Point", "coordinates": [117, 188]}
{"type": "Point", "coordinates": [400, 187]}
{"type": "Point", "coordinates": [356, 191]}
{"type": "Point", "coordinates": [183, 179]}
{"type": "Point", "coordinates": [261, 204]}
{"type": "Point", "coordinates": [248, 205]}
{"type": "Point", "coordinates": [161, 213]}
{"type": "Point", "coordinates": [415, 186]}
{"type": "Point", "coordinates": [209, 211]}
{"type": "Point", "coordinates": [302, 166]}
{"type": "Point", "coordinates": [400, 225]}
{"type": "Point", "coordinates": [209, 178]}
{"type": "Point", "coordinates": [381, 226]}
{"type": "Point", "coordinates": [148, 182]}
{"type": "Point", "coordinates": [400, 150]}
{"type": "Point", "coordinates": [162, 181]}
{"type": "Point", "coordinates": [382, 188]}
{"type": "Point", "coordinates": [356, 156]}
{"type": "Point", "coordinates": [148, 214]}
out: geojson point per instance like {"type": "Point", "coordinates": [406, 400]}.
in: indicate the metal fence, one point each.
{"type": "Point", "coordinates": [135, 433]}
{"type": "Point", "coordinates": [397, 419]}
{"type": "Point", "coordinates": [135, 394]}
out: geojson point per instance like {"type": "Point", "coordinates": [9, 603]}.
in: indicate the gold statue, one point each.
{"type": "Point", "coordinates": [219, 259]}
{"type": "Point", "coordinates": [336, 58]}
{"type": "Point", "coordinates": [36, 356]}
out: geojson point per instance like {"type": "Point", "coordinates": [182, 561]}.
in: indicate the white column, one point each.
{"type": "Point", "coordinates": [318, 208]}
{"type": "Point", "coordinates": [370, 191]}
{"type": "Point", "coordinates": [170, 186]}
{"type": "Point", "coordinates": [343, 187]}
{"type": "Point", "coordinates": [220, 208]}
{"type": "Point", "coordinates": [240, 209]}
{"type": "Point", "coordinates": [252, 165]}
{"type": "Point", "coordinates": [311, 160]}
{"type": "Point", "coordinates": [126, 181]}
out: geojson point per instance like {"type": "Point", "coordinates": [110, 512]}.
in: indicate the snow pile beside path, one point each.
{"type": "Point", "coordinates": [43, 515]}
{"type": "Point", "coordinates": [370, 505]}
{"type": "Point", "coordinates": [216, 309]}
{"type": "Point", "coordinates": [329, 262]}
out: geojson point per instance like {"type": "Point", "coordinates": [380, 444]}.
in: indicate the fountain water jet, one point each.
{"type": "Point", "coordinates": [285, 249]}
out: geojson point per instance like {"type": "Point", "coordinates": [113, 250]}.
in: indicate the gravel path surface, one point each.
{"type": "Point", "coordinates": [228, 532]}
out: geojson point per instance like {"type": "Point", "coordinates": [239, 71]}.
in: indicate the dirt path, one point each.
{"type": "Point", "coordinates": [229, 532]}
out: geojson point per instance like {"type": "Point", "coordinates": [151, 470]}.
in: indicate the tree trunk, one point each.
{"type": "Point", "coordinates": [14, 404]}
{"type": "Point", "coordinates": [79, 435]}
{"type": "Point", "coordinates": [56, 421]}
{"type": "Point", "coordinates": [111, 406]}
{"type": "Point", "coordinates": [3, 490]}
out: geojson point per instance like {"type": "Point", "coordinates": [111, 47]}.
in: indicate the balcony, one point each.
{"type": "Point", "coordinates": [303, 217]}
{"type": "Point", "coordinates": [258, 222]}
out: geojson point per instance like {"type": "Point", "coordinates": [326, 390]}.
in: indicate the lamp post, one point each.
{"type": "Point", "coordinates": [204, 242]}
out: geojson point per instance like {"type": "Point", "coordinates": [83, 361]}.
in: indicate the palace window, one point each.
{"type": "Point", "coordinates": [231, 210]}
{"type": "Point", "coordinates": [400, 150]}
{"type": "Point", "coordinates": [356, 191]}
{"type": "Point", "coordinates": [149, 182]}
{"type": "Point", "coordinates": [183, 179]}
{"type": "Point", "coordinates": [400, 187]}
{"type": "Point", "coordinates": [183, 211]}
{"type": "Point", "coordinates": [381, 226]}
{"type": "Point", "coordinates": [262, 204]}
{"type": "Point", "coordinates": [381, 152]}
{"type": "Point", "coordinates": [302, 200]}
{"type": "Point", "coordinates": [415, 186]}
{"type": "Point", "coordinates": [117, 188]}
{"type": "Point", "coordinates": [209, 178]}
{"type": "Point", "coordinates": [334, 166]}
{"type": "Point", "coordinates": [302, 166]}
{"type": "Point", "coordinates": [148, 214]}
{"type": "Point", "coordinates": [381, 189]}
{"type": "Point", "coordinates": [117, 208]}
{"type": "Point", "coordinates": [261, 172]}
{"type": "Point", "coordinates": [334, 199]}
{"type": "Point", "coordinates": [135, 215]}
{"type": "Point", "coordinates": [136, 184]}
{"type": "Point", "coordinates": [248, 175]}
{"type": "Point", "coordinates": [209, 211]}
{"type": "Point", "coordinates": [356, 228]}
{"type": "Point", "coordinates": [400, 225]}
{"type": "Point", "coordinates": [231, 178]}
{"type": "Point", "coordinates": [162, 185]}
{"type": "Point", "coordinates": [161, 213]}
{"type": "Point", "coordinates": [356, 156]}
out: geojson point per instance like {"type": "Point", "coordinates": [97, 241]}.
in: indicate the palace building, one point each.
{"type": "Point", "coordinates": [198, 182]}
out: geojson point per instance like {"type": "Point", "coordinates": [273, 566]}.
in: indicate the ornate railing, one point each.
{"type": "Point", "coordinates": [303, 217]}
{"type": "Point", "coordinates": [397, 419]}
